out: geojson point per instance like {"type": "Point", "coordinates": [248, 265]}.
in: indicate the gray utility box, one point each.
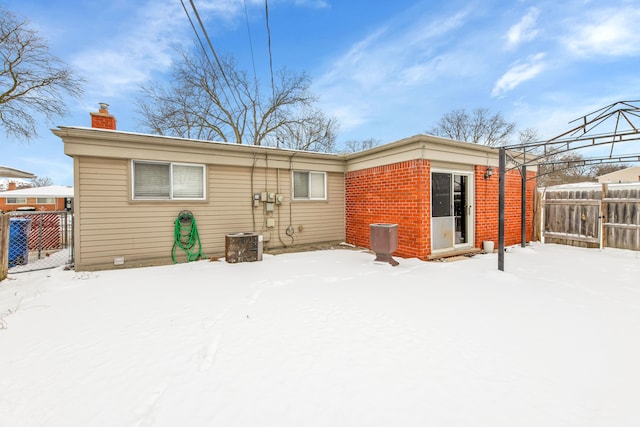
{"type": "Point", "coordinates": [384, 241]}
{"type": "Point", "coordinates": [243, 247]}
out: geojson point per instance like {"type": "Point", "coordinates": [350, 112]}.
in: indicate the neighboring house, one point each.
{"type": "Point", "coordinates": [50, 198]}
{"type": "Point", "coordinates": [130, 188]}
{"type": "Point", "coordinates": [631, 174]}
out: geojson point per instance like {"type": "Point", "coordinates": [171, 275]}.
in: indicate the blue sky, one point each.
{"type": "Point", "coordinates": [385, 69]}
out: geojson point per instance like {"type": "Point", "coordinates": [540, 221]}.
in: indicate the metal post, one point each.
{"type": "Point", "coordinates": [65, 231]}
{"type": "Point", "coordinates": [501, 186]}
{"type": "Point", "coordinates": [40, 237]}
{"type": "Point", "coordinates": [72, 257]}
{"type": "Point", "coordinates": [4, 246]}
{"type": "Point", "coordinates": [523, 241]}
{"type": "Point", "coordinates": [603, 214]}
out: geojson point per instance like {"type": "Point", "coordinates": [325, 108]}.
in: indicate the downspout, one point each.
{"type": "Point", "coordinates": [266, 189]}
{"type": "Point", "coordinates": [253, 209]}
{"type": "Point", "coordinates": [279, 206]}
{"type": "Point", "coordinates": [290, 230]}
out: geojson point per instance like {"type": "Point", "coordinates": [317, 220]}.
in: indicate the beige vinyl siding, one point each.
{"type": "Point", "coordinates": [112, 225]}
{"type": "Point", "coordinates": [321, 220]}
{"type": "Point", "coordinates": [109, 225]}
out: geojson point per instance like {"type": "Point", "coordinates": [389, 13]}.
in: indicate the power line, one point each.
{"type": "Point", "coordinates": [215, 55]}
{"type": "Point", "coordinates": [273, 86]}
{"type": "Point", "coordinates": [266, 6]}
{"type": "Point", "coordinates": [253, 61]}
{"type": "Point", "coordinates": [204, 49]}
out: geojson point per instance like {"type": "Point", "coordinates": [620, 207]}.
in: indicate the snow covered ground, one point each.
{"type": "Point", "coordinates": [328, 338]}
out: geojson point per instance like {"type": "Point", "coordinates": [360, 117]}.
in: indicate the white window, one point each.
{"type": "Point", "coordinates": [45, 200]}
{"type": "Point", "coordinates": [16, 200]}
{"type": "Point", "coordinates": [309, 185]}
{"type": "Point", "coordinates": [163, 181]}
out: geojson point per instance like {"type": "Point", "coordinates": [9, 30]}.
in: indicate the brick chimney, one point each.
{"type": "Point", "coordinates": [12, 186]}
{"type": "Point", "coordinates": [102, 119]}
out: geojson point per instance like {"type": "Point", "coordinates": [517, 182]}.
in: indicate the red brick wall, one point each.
{"type": "Point", "coordinates": [31, 201]}
{"type": "Point", "coordinates": [487, 206]}
{"type": "Point", "coordinates": [398, 194]}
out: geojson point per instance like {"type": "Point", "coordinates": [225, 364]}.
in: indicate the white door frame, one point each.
{"type": "Point", "coordinates": [470, 210]}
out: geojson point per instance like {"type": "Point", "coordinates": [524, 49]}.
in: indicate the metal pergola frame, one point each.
{"type": "Point", "coordinates": [620, 115]}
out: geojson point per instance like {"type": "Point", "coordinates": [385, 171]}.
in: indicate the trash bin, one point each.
{"type": "Point", "coordinates": [384, 241]}
{"type": "Point", "coordinates": [19, 229]}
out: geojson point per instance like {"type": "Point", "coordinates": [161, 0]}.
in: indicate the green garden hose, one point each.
{"type": "Point", "coordinates": [186, 237]}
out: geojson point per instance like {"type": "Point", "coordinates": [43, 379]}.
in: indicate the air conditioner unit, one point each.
{"type": "Point", "coordinates": [243, 247]}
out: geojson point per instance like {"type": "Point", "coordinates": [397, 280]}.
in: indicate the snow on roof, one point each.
{"type": "Point", "coordinates": [49, 191]}
{"type": "Point", "coordinates": [5, 182]}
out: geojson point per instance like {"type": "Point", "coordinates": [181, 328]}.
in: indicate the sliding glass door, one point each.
{"type": "Point", "coordinates": [451, 213]}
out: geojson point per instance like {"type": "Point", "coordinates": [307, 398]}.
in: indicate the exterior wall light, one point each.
{"type": "Point", "coordinates": [488, 173]}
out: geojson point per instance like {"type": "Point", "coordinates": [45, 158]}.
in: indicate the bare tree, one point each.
{"type": "Point", "coordinates": [20, 184]}
{"type": "Point", "coordinates": [32, 81]}
{"type": "Point", "coordinates": [311, 131]}
{"type": "Point", "coordinates": [479, 127]}
{"type": "Point", "coordinates": [528, 135]}
{"type": "Point", "coordinates": [211, 102]}
{"type": "Point", "coordinates": [41, 181]}
{"type": "Point", "coordinates": [576, 168]}
{"type": "Point", "coordinates": [564, 168]}
{"type": "Point", "coordinates": [605, 168]}
{"type": "Point", "coordinates": [353, 146]}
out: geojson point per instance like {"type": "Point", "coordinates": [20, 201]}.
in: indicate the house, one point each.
{"type": "Point", "coordinates": [442, 193]}
{"type": "Point", "coordinates": [49, 198]}
{"type": "Point", "coordinates": [130, 187]}
{"type": "Point", "coordinates": [631, 174]}
{"type": "Point", "coordinates": [7, 172]}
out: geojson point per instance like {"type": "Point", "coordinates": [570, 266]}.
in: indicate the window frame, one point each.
{"type": "Point", "coordinates": [171, 196]}
{"type": "Point", "coordinates": [309, 173]}
{"type": "Point", "coordinates": [16, 200]}
{"type": "Point", "coordinates": [47, 200]}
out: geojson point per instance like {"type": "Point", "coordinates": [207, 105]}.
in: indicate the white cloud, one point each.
{"type": "Point", "coordinates": [427, 29]}
{"type": "Point", "coordinates": [118, 63]}
{"type": "Point", "coordinates": [231, 8]}
{"type": "Point", "coordinates": [357, 63]}
{"type": "Point", "coordinates": [142, 46]}
{"type": "Point", "coordinates": [456, 63]}
{"type": "Point", "coordinates": [387, 66]}
{"type": "Point", "coordinates": [608, 32]}
{"type": "Point", "coordinates": [525, 30]}
{"type": "Point", "coordinates": [518, 73]}
{"type": "Point", "coordinates": [318, 4]}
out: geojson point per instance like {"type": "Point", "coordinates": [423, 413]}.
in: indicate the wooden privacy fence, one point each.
{"type": "Point", "coordinates": [591, 215]}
